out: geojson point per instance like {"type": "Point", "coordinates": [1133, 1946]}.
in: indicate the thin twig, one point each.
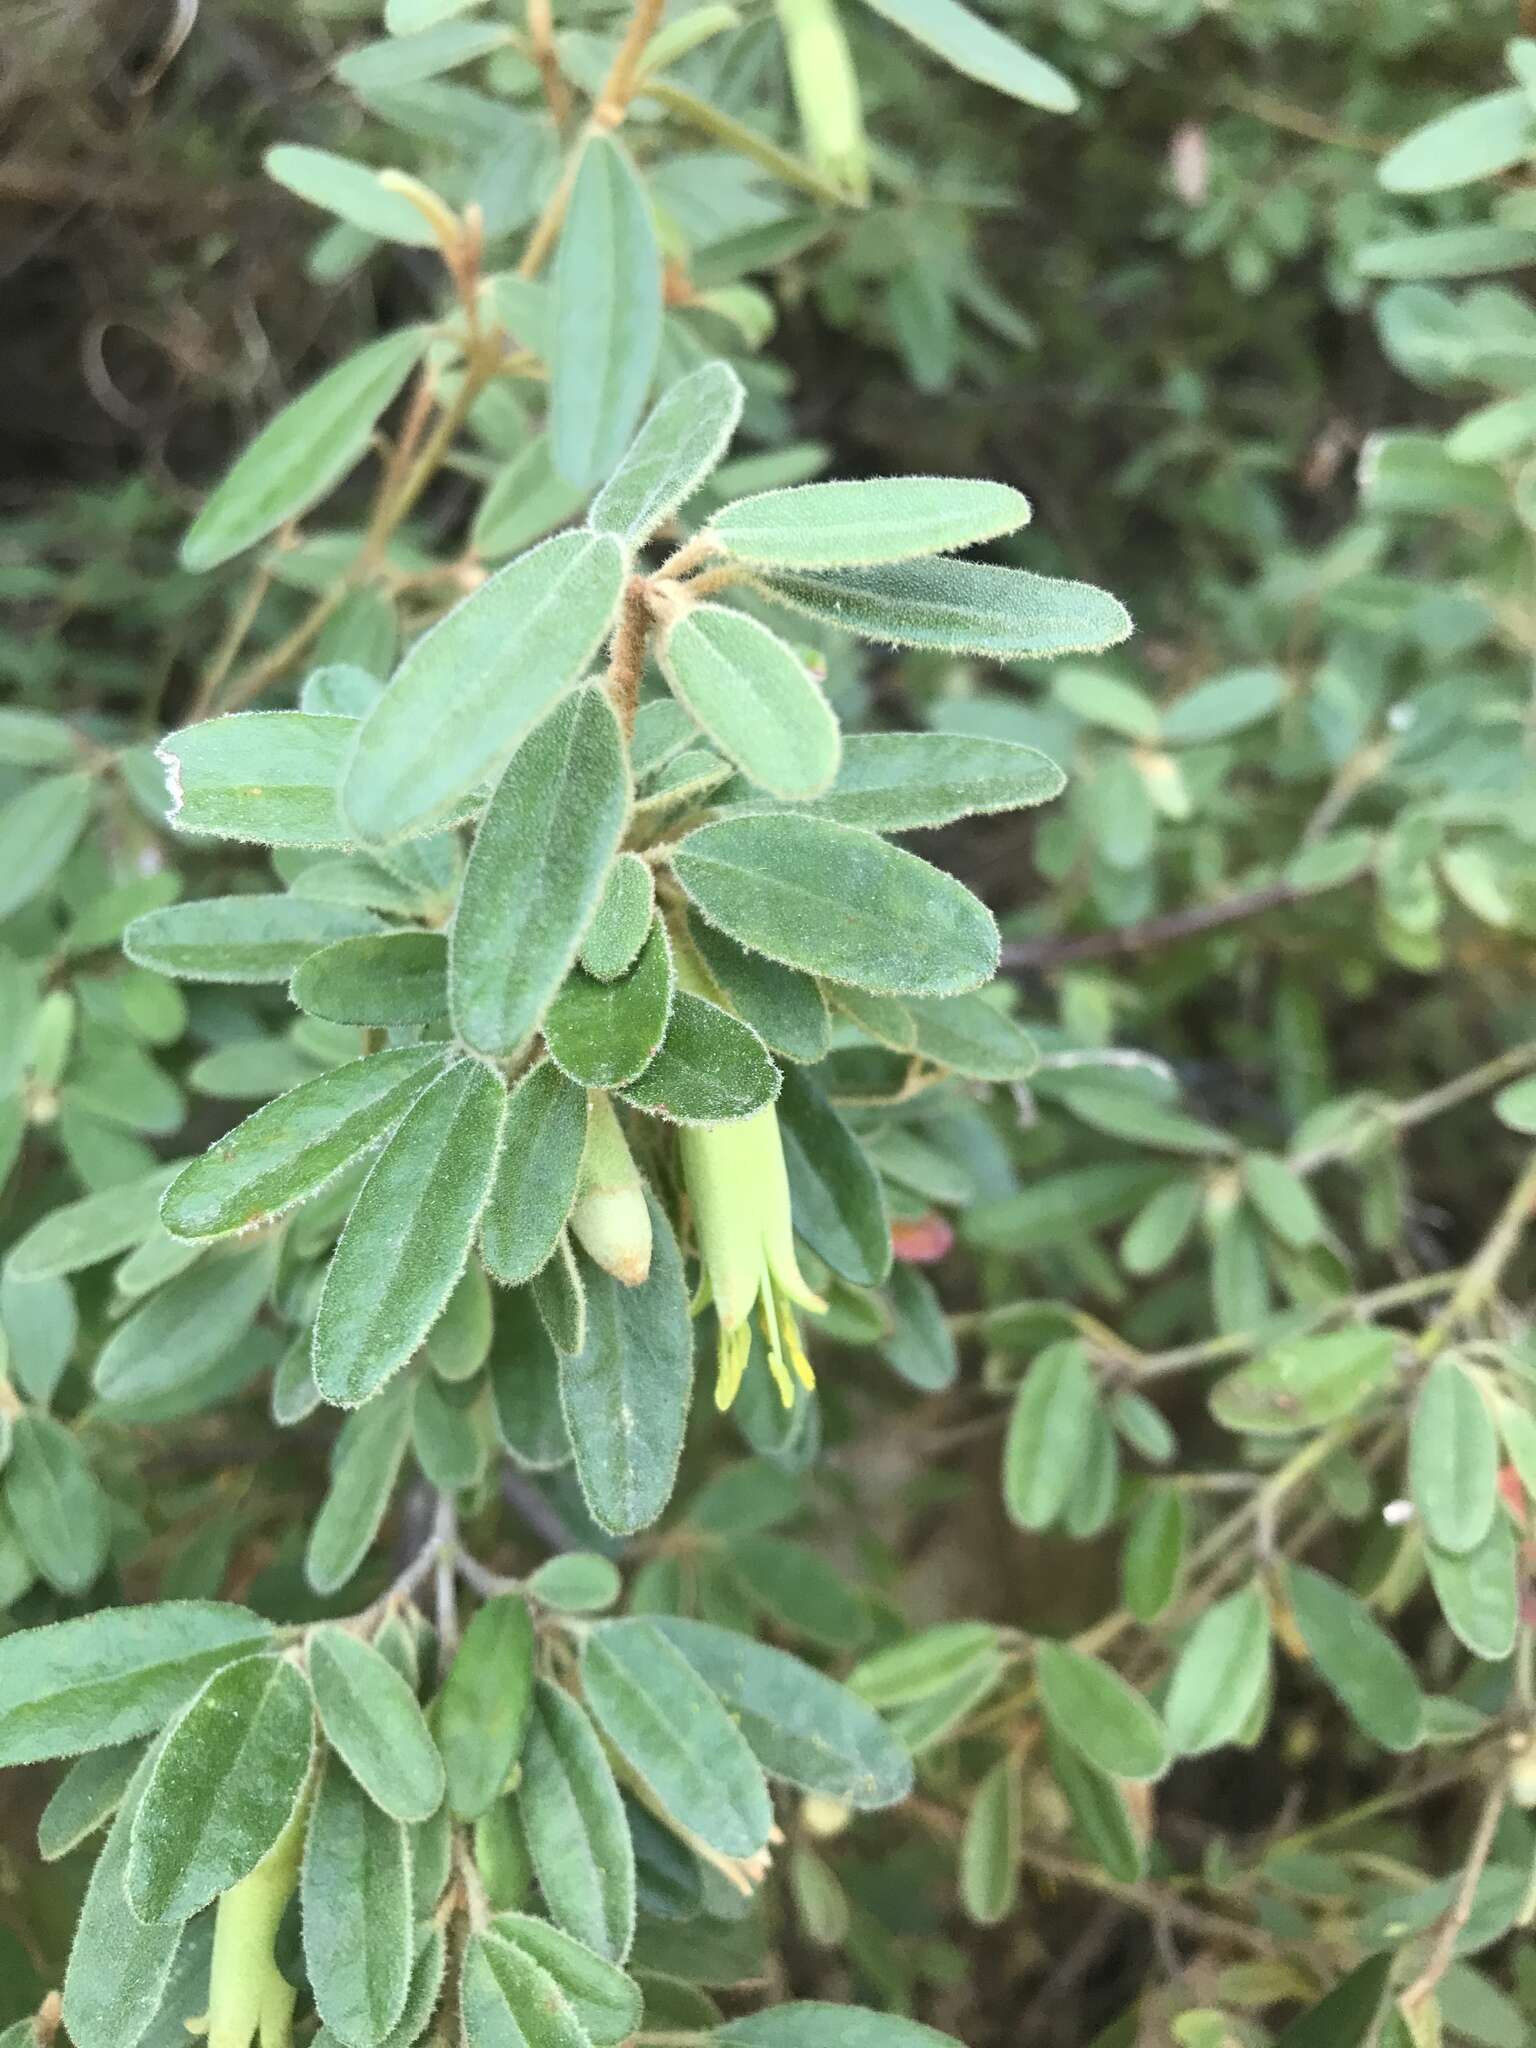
{"type": "Point", "coordinates": [446, 1542]}
{"type": "Point", "coordinates": [1460, 1912]}
{"type": "Point", "coordinates": [1167, 930]}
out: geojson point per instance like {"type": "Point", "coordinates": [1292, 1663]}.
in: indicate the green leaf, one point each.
{"type": "Point", "coordinates": [526, 500]}
{"type": "Point", "coordinates": [351, 191]}
{"type": "Point", "coordinates": [753, 697]}
{"type": "Point", "coordinates": [809, 2024]}
{"type": "Point", "coordinates": [108, 1677]}
{"type": "Point", "coordinates": [508, 2000]}
{"type": "Point", "coordinates": [838, 902]}
{"type": "Point", "coordinates": [560, 1296]}
{"type": "Point", "coordinates": [1162, 1226]}
{"type": "Point", "coordinates": [784, 1007]}
{"type": "Point", "coordinates": [1447, 252]}
{"type": "Point", "coordinates": [901, 781]}
{"type": "Point", "coordinates": [796, 1587]}
{"type": "Point", "coordinates": [621, 921]}
{"type": "Point", "coordinates": [966, 607]}
{"type": "Point", "coordinates": [1099, 1715]}
{"type": "Point", "coordinates": [387, 979]}
{"type": "Point", "coordinates": [372, 1721]}
{"type": "Point", "coordinates": [38, 830]}
{"type": "Point", "coordinates": [355, 1893]}
{"type": "Point", "coordinates": [1515, 1106]}
{"type": "Point", "coordinates": [972, 1036]}
{"type": "Point", "coordinates": [87, 1796]}
{"type": "Point", "coordinates": [1479, 1590]}
{"type": "Point", "coordinates": [1374, 1681]}
{"type": "Point", "coordinates": [580, 1582]}
{"type": "Point", "coordinates": [1061, 1207]}
{"type": "Point", "coordinates": [1453, 1459]}
{"type": "Point", "coordinates": [118, 1968]}
{"type": "Point", "coordinates": [683, 438]}
{"type": "Point", "coordinates": [408, 1237]}
{"type": "Point", "coordinates": [483, 1715]}
{"type": "Point", "coordinates": [676, 1736]}
{"type": "Point", "coordinates": [921, 1347]}
{"type": "Point", "coordinates": [850, 525]}
{"type": "Point", "coordinates": [307, 449]}
{"type": "Point", "coordinates": [976, 49]}
{"type": "Point", "coordinates": [291, 1148]}
{"type": "Point", "coordinates": [574, 1819]}
{"type": "Point", "coordinates": [1223, 705]}
{"type": "Point", "coordinates": [1107, 701]}
{"type": "Point", "coordinates": [1124, 1109]}
{"type": "Point", "coordinates": [408, 59]}
{"type": "Point", "coordinates": [542, 1141]}
{"type": "Point", "coordinates": [56, 1504]}
{"type": "Point", "coordinates": [1476, 140]}
{"type": "Point", "coordinates": [1048, 1434]}
{"type": "Point", "coordinates": [709, 1069]}
{"type": "Point", "coordinates": [607, 2004]}
{"type": "Point", "coordinates": [802, 1727]}
{"type": "Point", "coordinates": [239, 938]}
{"type": "Point", "coordinates": [365, 1465]}
{"type": "Point", "coordinates": [606, 1033]}
{"type": "Point", "coordinates": [224, 1786]}
{"type": "Point", "coordinates": [1221, 1673]}
{"type": "Point", "coordinates": [607, 314]}
{"type": "Point", "coordinates": [930, 1662]}
{"type": "Point", "coordinates": [184, 1328]}
{"type": "Point", "coordinates": [268, 776]}
{"type": "Point", "coordinates": [624, 1391]}
{"type": "Point", "coordinates": [95, 1228]}
{"type": "Point", "coordinates": [1347, 2017]}
{"type": "Point", "coordinates": [835, 1193]}
{"type": "Point", "coordinates": [1283, 1200]}
{"type": "Point", "coordinates": [1305, 1383]}
{"type": "Point", "coordinates": [35, 739]}
{"type": "Point", "coordinates": [1100, 1812]}
{"type": "Point", "coordinates": [536, 873]}
{"type": "Point", "coordinates": [1153, 1556]}
{"type": "Point", "coordinates": [477, 682]}
{"type": "Point", "coordinates": [990, 1845]}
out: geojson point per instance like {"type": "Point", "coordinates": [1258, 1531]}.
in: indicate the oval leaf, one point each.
{"type": "Point", "coordinates": [223, 1788]}
{"type": "Point", "coordinates": [301, 454]}
{"type": "Point", "coordinates": [409, 1234]}
{"type": "Point", "coordinates": [676, 1736]}
{"type": "Point", "coordinates": [849, 525]}
{"type": "Point", "coordinates": [1099, 1715]}
{"type": "Point", "coordinates": [754, 698]}
{"type": "Point", "coordinates": [476, 682]}
{"type": "Point", "coordinates": [537, 871]}
{"type": "Point", "coordinates": [607, 314]}
{"type": "Point", "coordinates": [838, 902]}
{"type": "Point", "coordinates": [372, 1721]}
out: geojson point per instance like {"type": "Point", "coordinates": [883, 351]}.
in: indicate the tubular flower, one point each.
{"type": "Point", "coordinates": [739, 1193]}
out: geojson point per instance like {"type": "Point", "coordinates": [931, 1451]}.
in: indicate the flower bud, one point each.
{"type": "Point", "coordinates": [610, 1220]}
{"type": "Point", "coordinates": [826, 89]}
{"type": "Point", "coordinates": [248, 1995]}
{"type": "Point", "coordinates": [739, 1192]}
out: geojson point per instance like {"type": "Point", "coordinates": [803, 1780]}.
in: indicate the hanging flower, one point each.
{"type": "Point", "coordinates": [739, 1192]}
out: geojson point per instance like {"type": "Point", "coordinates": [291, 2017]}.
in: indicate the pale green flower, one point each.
{"type": "Point", "coordinates": [739, 1192]}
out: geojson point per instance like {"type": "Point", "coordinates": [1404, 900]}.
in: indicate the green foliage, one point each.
{"type": "Point", "coordinates": [459, 954]}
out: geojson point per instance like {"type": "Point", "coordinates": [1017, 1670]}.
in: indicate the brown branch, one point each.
{"type": "Point", "coordinates": [1152, 932]}
{"type": "Point", "coordinates": [1460, 1912]}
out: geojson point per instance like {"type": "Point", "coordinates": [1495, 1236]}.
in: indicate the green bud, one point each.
{"type": "Point", "coordinates": [610, 1220]}
{"type": "Point", "coordinates": [826, 89]}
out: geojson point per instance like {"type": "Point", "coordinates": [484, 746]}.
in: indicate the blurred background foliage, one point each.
{"type": "Point", "coordinates": [1285, 907]}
